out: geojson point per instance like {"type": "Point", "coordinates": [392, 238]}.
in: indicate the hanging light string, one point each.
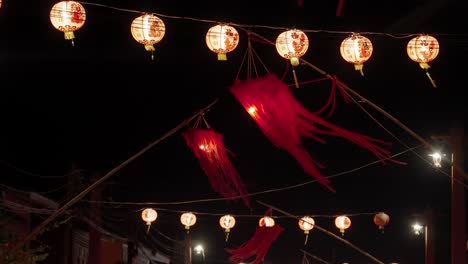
{"type": "Point", "coordinates": [290, 187]}
{"type": "Point", "coordinates": [393, 35]}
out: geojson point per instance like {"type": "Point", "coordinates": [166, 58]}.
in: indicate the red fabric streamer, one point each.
{"type": "Point", "coordinates": [208, 147]}
{"type": "Point", "coordinates": [284, 121]}
{"type": "Point", "coordinates": [258, 245]}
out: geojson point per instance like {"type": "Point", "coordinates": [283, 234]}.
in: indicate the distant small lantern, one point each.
{"type": "Point", "coordinates": [342, 222]}
{"type": "Point", "coordinates": [68, 16]}
{"type": "Point", "coordinates": [266, 221]}
{"type": "Point", "coordinates": [222, 39]}
{"type": "Point", "coordinates": [148, 30]}
{"type": "Point", "coordinates": [381, 219]}
{"type": "Point", "coordinates": [0, 3]}
{"type": "Point", "coordinates": [149, 215]}
{"type": "Point", "coordinates": [292, 45]}
{"type": "Point", "coordinates": [423, 49]}
{"type": "Point", "coordinates": [227, 222]}
{"type": "Point", "coordinates": [356, 49]}
{"type": "Point", "coordinates": [188, 219]}
{"type": "Point", "coordinates": [306, 224]}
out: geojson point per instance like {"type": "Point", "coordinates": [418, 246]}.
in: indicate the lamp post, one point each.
{"type": "Point", "coordinates": [199, 250]}
{"type": "Point", "coordinates": [419, 229]}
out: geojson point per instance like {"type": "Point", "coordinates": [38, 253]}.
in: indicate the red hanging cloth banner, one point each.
{"type": "Point", "coordinates": [208, 147]}
{"type": "Point", "coordinates": [284, 121]}
{"type": "Point", "coordinates": [258, 245]}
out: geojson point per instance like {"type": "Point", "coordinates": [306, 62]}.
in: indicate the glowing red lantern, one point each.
{"type": "Point", "coordinates": [266, 221]}
{"type": "Point", "coordinates": [148, 30]}
{"type": "Point", "coordinates": [423, 49]}
{"type": "Point", "coordinates": [222, 39]}
{"type": "Point", "coordinates": [0, 3]}
{"type": "Point", "coordinates": [188, 219]}
{"type": "Point", "coordinates": [342, 222]}
{"type": "Point", "coordinates": [381, 219]}
{"type": "Point", "coordinates": [68, 16]}
{"type": "Point", "coordinates": [227, 222]}
{"type": "Point", "coordinates": [356, 49]}
{"type": "Point", "coordinates": [306, 223]}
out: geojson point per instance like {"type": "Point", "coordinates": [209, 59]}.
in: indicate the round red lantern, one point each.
{"type": "Point", "coordinates": [306, 224]}
{"type": "Point", "coordinates": [222, 39]}
{"type": "Point", "coordinates": [356, 49]}
{"type": "Point", "coordinates": [148, 30]}
{"type": "Point", "coordinates": [227, 222]}
{"type": "Point", "coordinates": [381, 219]}
{"type": "Point", "coordinates": [266, 221]}
{"type": "Point", "coordinates": [342, 222]}
{"type": "Point", "coordinates": [68, 16]}
{"type": "Point", "coordinates": [423, 49]}
{"type": "Point", "coordinates": [188, 219]}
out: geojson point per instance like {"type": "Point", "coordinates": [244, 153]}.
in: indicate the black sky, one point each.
{"type": "Point", "coordinates": [98, 103]}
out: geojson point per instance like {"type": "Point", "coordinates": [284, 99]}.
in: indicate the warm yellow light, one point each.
{"type": "Point", "coordinates": [356, 49]}
{"type": "Point", "coordinates": [68, 16]}
{"type": "Point", "coordinates": [342, 222]}
{"type": "Point", "coordinates": [292, 45]}
{"type": "Point", "coordinates": [222, 39]}
{"type": "Point", "coordinates": [227, 222]}
{"type": "Point", "coordinates": [149, 215]}
{"type": "Point", "coordinates": [188, 219]}
{"type": "Point", "coordinates": [148, 30]}
{"type": "Point", "coordinates": [252, 110]}
{"type": "Point", "coordinates": [306, 223]}
{"type": "Point", "coordinates": [423, 49]}
{"type": "Point", "coordinates": [266, 221]}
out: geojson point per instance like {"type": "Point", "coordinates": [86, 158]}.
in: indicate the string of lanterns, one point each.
{"type": "Point", "coordinates": [228, 221]}
{"type": "Point", "coordinates": [69, 16]}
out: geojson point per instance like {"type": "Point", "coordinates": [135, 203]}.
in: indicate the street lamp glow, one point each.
{"type": "Point", "coordinates": [198, 249]}
{"type": "Point", "coordinates": [417, 228]}
{"type": "Point", "coordinates": [437, 159]}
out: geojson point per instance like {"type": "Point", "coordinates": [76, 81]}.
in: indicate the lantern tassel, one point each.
{"type": "Point", "coordinates": [430, 79]}
{"type": "Point", "coordinates": [306, 238]}
{"type": "Point", "coordinates": [285, 121]}
{"type": "Point", "coordinates": [208, 147]}
{"type": "Point", "coordinates": [296, 83]}
{"type": "Point", "coordinates": [359, 67]}
{"type": "Point", "coordinates": [258, 245]}
{"type": "Point", "coordinates": [148, 228]}
{"type": "Point", "coordinates": [227, 236]}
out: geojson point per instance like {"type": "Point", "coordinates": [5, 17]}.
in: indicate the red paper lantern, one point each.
{"type": "Point", "coordinates": [342, 222]}
{"type": "Point", "coordinates": [356, 49]}
{"type": "Point", "coordinates": [381, 219]}
{"type": "Point", "coordinates": [148, 30]}
{"type": "Point", "coordinates": [306, 224]}
{"type": "Point", "coordinates": [266, 221]}
{"type": "Point", "coordinates": [227, 222]}
{"type": "Point", "coordinates": [68, 16]}
{"type": "Point", "coordinates": [222, 39]}
{"type": "Point", "coordinates": [188, 219]}
{"type": "Point", "coordinates": [423, 49]}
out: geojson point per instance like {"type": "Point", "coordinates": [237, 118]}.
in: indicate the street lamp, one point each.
{"type": "Point", "coordinates": [199, 250]}
{"type": "Point", "coordinates": [418, 229]}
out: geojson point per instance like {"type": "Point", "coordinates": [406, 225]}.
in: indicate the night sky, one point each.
{"type": "Point", "coordinates": [94, 105]}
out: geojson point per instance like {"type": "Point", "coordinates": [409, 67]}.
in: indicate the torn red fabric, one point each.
{"type": "Point", "coordinates": [258, 245]}
{"type": "Point", "coordinates": [284, 121]}
{"type": "Point", "coordinates": [208, 147]}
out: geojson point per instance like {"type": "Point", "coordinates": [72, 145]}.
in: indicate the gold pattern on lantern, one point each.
{"type": "Point", "coordinates": [423, 49]}
{"type": "Point", "coordinates": [381, 219]}
{"type": "Point", "coordinates": [266, 221]}
{"type": "Point", "coordinates": [188, 219]}
{"type": "Point", "coordinates": [222, 39]}
{"type": "Point", "coordinates": [306, 224]}
{"type": "Point", "coordinates": [227, 222]}
{"type": "Point", "coordinates": [68, 16]}
{"type": "Point", "coordinates": [356, 49]}
{"type": "Point", "coordinates": [291, 45]}
{"type": "Point", "coordinates": [342, 222]}
{"type": "Point", "coordinates": [148, 30]}
{"type": "Point", "coordinates": [149, 215]}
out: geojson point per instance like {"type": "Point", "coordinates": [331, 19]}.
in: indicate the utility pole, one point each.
{"type": "Point", "coordinates": [429, 247]}
{"type": "Point", "coordinates": [458, 210]}
{"type": "Point", "coordinates": [94, 254]}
